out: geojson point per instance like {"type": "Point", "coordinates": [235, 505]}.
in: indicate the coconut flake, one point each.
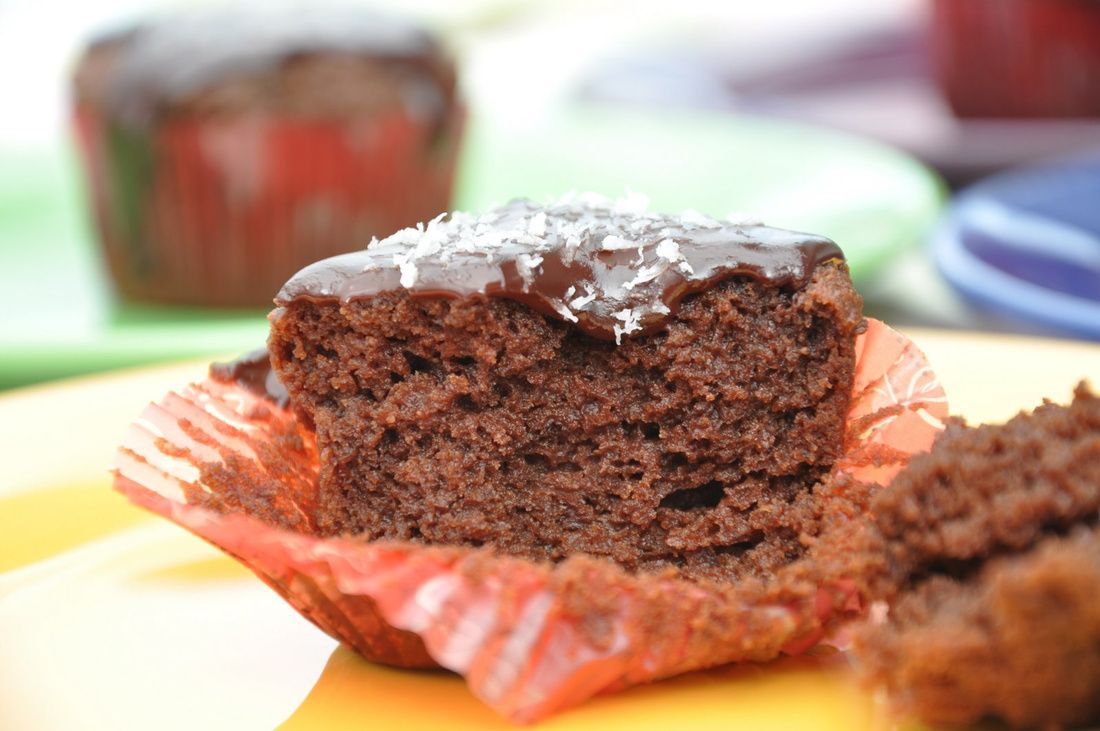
{"type": "Point", "coordinates": [562, 309]}
{"type": "Point", "coordinates": [526, 265]}
{"type": "Point", "coordinates": [647, 274]}
{"type": "Point", "coordinates": [404, 237]}
{"type": "Point", "coordinates": [611, 242]}
{"type": "Point", "coordinates": [537, 225]}
{"type": "Point", "coordinates": [629, 318]}
{"type": "Point", "coordinates": [579, 303]}
{"type": "Point", "coordinates": [669, 249]}
{"type": "Point", "coordinates": [408, 272]}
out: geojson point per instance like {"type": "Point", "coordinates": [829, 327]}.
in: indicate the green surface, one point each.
{"type": "Point", "coordinates": [61, 319]}
{"type": "Point", "coordinates": [872, 200]}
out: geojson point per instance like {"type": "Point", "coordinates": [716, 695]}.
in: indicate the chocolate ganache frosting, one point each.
{"type": "Point", "coordinates": [609, 267]}
{"type": "Point", "coordinates": [162, 62]}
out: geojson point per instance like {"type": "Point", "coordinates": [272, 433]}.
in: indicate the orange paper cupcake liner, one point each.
{"type": "Point", "coordinates": [529, 638]}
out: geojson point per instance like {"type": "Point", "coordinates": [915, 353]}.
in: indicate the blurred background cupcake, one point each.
{"type": "Point", "coordinates": [1018, 58]}
{"type": "Point", "coordinates": [226, 148]}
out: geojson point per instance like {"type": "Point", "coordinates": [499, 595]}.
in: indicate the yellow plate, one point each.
{"type": "Point", "coordinates": [112, 619]}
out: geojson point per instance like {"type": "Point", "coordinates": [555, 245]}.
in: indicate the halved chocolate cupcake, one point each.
{"type": "Point", "coordinates": [558, 449]}
{"type": "Point", "coordinates": [575, 378]}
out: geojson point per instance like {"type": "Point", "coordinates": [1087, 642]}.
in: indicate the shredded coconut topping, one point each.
{"type": "Point", "coordinates": [611, 242]}
{"type": "Point", "coordinates": [526, 265]}
{"type": "Point", "coordinates": [581, 302]}
{"type": "Point", "coordinates": [408, 272]}
{"type": "Point", "coordinates": [563, 310]}
{"type": "Point", "coordinates": [537, 225]}
{"type": "Point", "coordinates": [612, 260]}
{"type": "Point", "coordinates": [629, 318]}
{"type": "Point", "coordinates": [647, 274]}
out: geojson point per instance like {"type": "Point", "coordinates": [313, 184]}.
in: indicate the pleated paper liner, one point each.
{"type": "Point", "coordinates": [529, 638]}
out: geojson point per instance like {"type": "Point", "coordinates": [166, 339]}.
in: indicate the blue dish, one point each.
{"type": "Point", "coordinates": [1026, 245]}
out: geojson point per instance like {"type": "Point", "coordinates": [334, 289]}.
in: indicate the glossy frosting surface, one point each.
{"type": "Point", "coordinates": [164, 60]}
{"type": "Point", "coordinates": [610, 267]}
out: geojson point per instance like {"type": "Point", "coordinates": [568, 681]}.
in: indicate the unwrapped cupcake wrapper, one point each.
{"type": "Point", "coordinates": [223, 211]}
{"type": "Point", "coordinates": [529, 638]}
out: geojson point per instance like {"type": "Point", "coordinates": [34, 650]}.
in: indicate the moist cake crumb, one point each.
{"type": "Point", "coordinates": [988, 552]}
{"type": "Point", "coordinates": [663, 392]}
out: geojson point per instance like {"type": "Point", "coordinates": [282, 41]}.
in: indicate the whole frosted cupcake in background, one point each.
{"type": "Point", "coordinates": [1018, 58]}
{"type": "Point", "coordinates": [225, 149]}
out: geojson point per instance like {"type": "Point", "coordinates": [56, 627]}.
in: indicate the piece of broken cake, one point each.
{"type": "Point", "coordinates": [987, 551]}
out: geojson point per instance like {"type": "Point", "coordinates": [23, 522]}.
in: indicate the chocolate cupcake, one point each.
{"type": "Point", "coordinates": [577, 377]}
{"type": "Point", "coordinates": [226, 149]}
{"type": "Point", "coordinates": [559, 449]}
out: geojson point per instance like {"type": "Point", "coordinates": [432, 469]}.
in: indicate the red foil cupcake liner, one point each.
{"type": "Point", "coordinates": [222, 212]}
{"type": "Point", "coordinates": [529, 638]}
{"type": "Point", "coordinates": [1018, 58]}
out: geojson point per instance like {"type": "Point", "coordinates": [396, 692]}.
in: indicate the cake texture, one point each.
{"type": "Point", "coordinates": [225, 148]}
{"type": "Point", "coordinates": [230, 460]}
{"type": "Point", "coordinates": [987, 551]}
{"type": "Point", "coordinates": [581, 377]}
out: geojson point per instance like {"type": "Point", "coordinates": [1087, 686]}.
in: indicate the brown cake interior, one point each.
{"type": "Point", "coordinates": [988, 550]}
{"type": "Point", "coordinates": [477, 421]}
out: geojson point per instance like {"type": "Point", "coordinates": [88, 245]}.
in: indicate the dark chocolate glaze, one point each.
{"type": "Point", "coordinates": [164, 61]}
{"type": "Point", "coordinates": [609, 267]}
{"type": "Point", "coordinates": [253, 372]}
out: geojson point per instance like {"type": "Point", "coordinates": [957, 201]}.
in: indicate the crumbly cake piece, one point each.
{"type": "Point", "coordinates": [988, 552]}
{"type": "Point", "coordinates": [581, 377]}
